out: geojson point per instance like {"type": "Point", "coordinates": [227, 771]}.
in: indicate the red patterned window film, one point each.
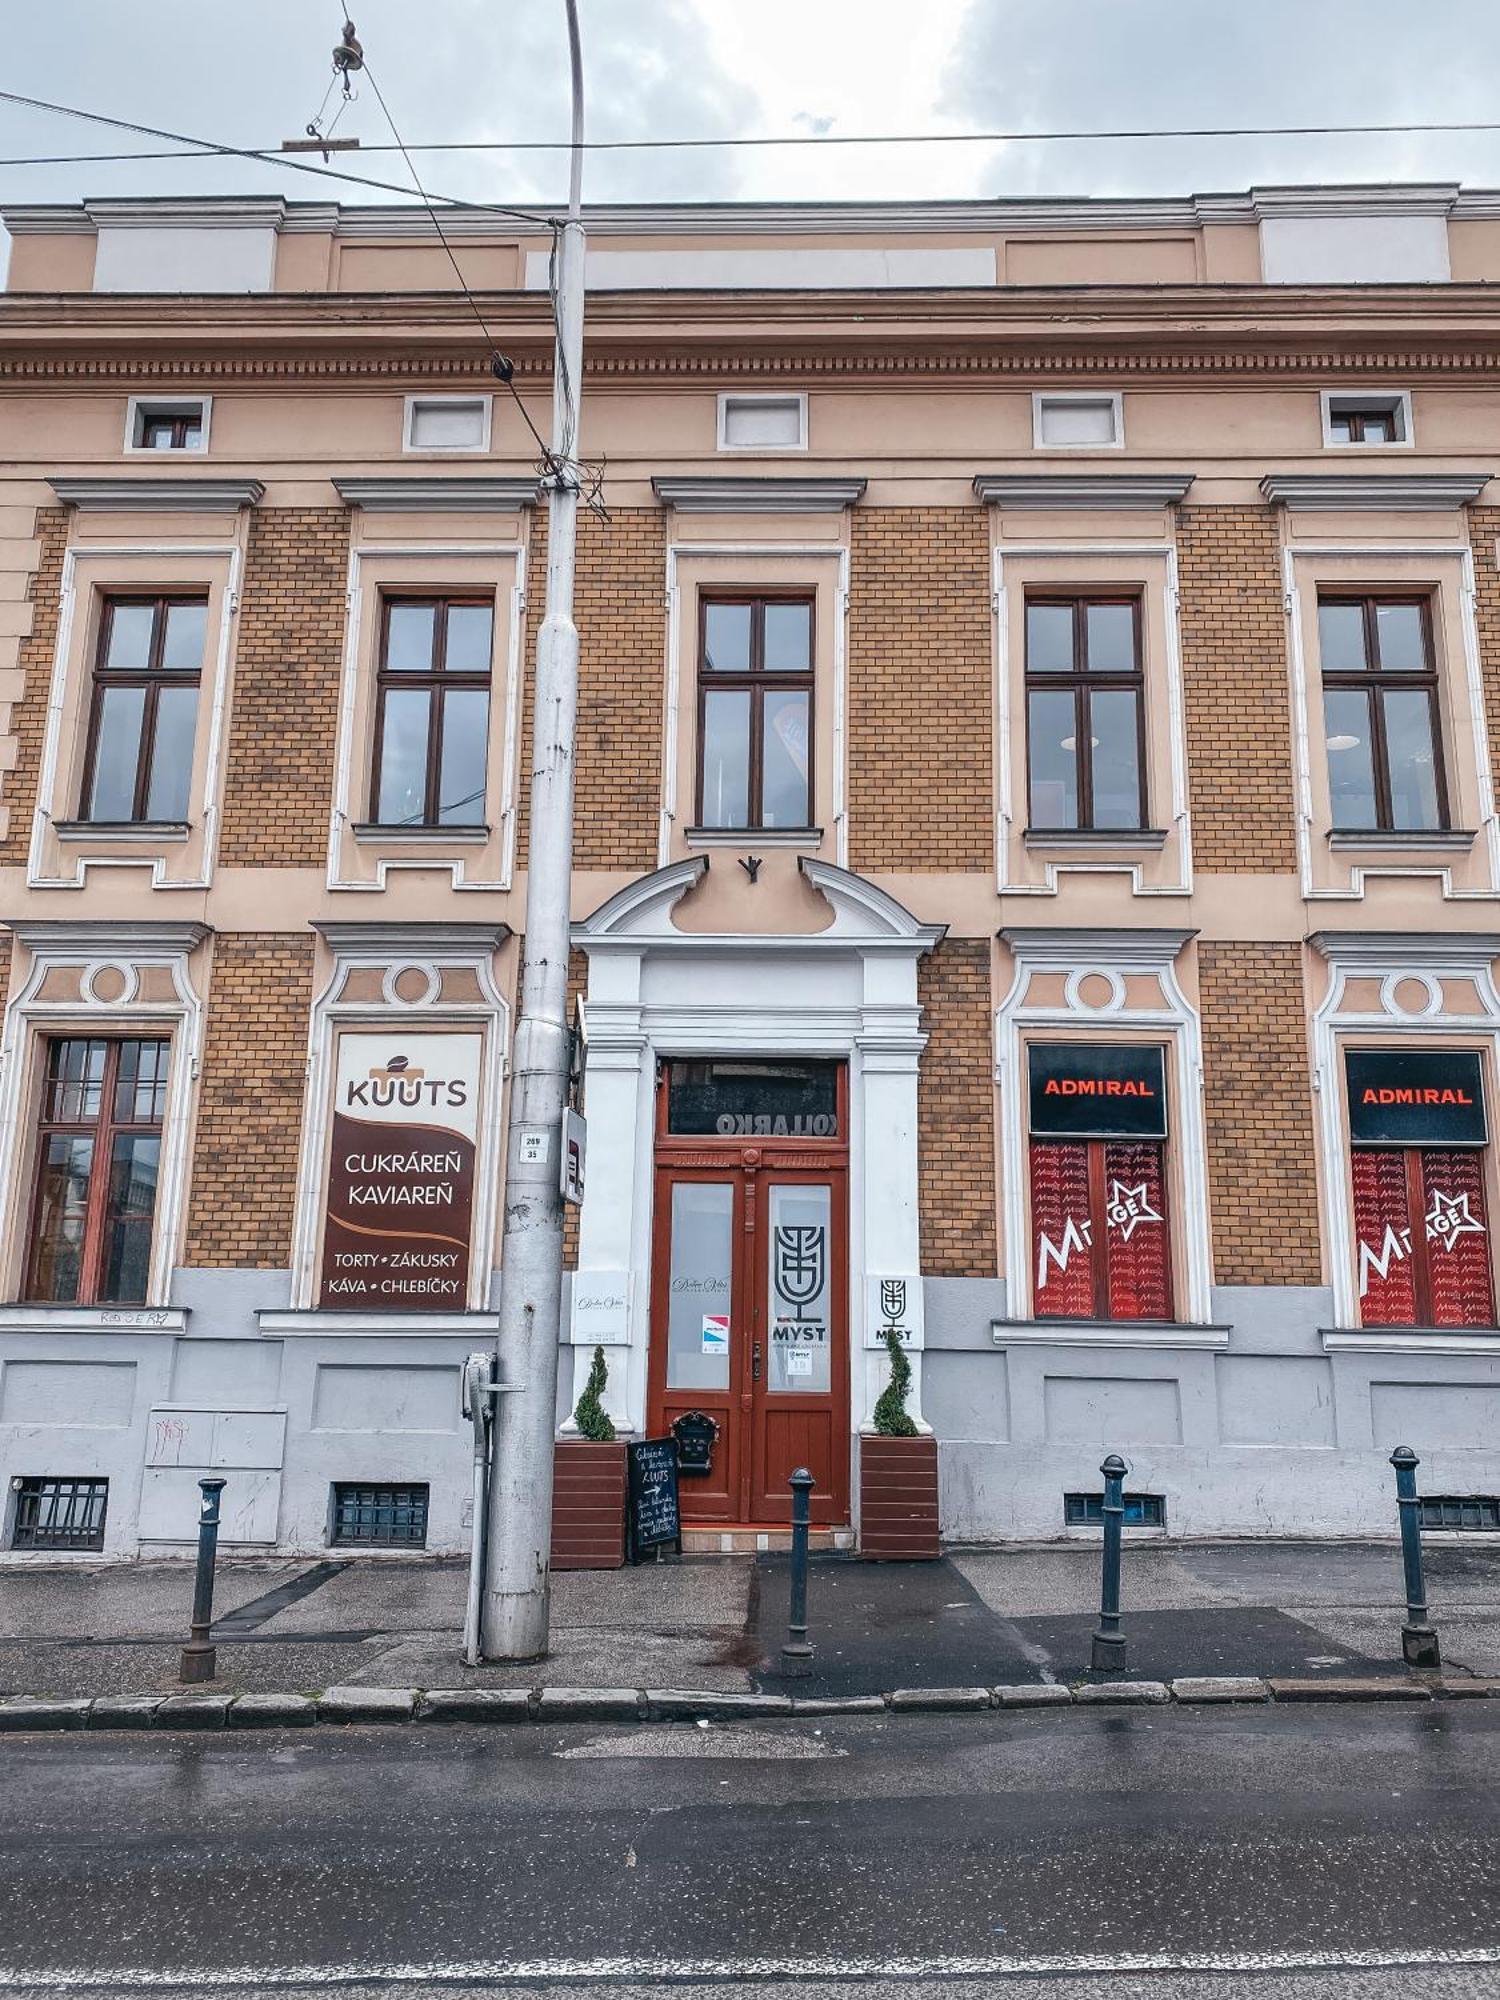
{"type": "Point", "coordinates": [1422, 1237]}
{"type": "Point", "coordinates": [1099, 1230]}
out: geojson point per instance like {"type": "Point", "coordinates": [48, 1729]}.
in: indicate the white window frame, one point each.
{"type": "Point", "coordinates": [408, 419]}
{"type": "Point", "coordinates": [1396, 400]}
{"type": "Point", "coordinates": [138, 407]}
{"type": "Point", "coordinates": [738, 397]}
{"type": "Point", "coordinates": [1042, 399]}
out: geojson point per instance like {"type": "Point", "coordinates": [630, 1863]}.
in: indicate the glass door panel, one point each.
{"type": "Point", "coordinates": [799, 1290]}
{"type": "Point", "coordinates": [700, 1286]}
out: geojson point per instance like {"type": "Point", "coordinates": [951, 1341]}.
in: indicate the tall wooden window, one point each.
{"type": "Point", "coordinates": [432, 711]}
{"type": "Point", "coordinates": [98, 1160]}
{"type": "Point", "coordinates": [1380, 714]}
{"type": "Point", "coordinates": [755, 712]}
{"type": "Point", "coordinates": [1085, 713]}
{"type": "Point", "coordinates": [143, 718]}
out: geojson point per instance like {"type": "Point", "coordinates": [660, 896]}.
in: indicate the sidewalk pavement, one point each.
{"type": "Point", "coordinates": [977, 1618]}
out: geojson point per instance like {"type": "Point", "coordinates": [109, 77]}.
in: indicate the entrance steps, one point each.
{"type": "Point", "coordinates": [759, 1541]}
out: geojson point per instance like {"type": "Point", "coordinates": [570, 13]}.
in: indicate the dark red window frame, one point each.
{"type": "Point", "coordinates": [1083, 682]}
{"type": "Point", "coordinates": [1374, 681]}
{"type": "Point", "coordinates": [119, 1074]}
{"type": "Point", "coordinates": [437, 681]}
{"type": "Point", "coordinates": [1086, 1262]}
{"type": "Point", "coordinates": [153, 677]}
{"type": "Point", "coordinates": [757, 682]}
{"type": "Point", "coordinates": [170, 430]}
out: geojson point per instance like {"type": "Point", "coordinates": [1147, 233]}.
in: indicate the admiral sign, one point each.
{"type": "Point", "coordinates": [401, 1172]}
{"type": "Point", "coordinates": [1084, 1090]}
{"type": "Point", "coordinates": [1415, 1097]}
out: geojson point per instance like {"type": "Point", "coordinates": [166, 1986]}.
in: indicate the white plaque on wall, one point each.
{"type": "Point", "coordinates": [893, 1302]}
{"type": "Point", "coordinates": [601, 1308]}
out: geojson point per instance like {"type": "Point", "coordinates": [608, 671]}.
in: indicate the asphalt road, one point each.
{"type": "Point", "coordinates": [1314, 1854]}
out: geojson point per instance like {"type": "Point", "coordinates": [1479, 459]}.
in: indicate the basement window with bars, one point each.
{"type": "Point", "coordinates": [1477, 1513]}
{"type": "Point", "coordinates": [54, 1514]}
{"type": "Point", "coordinates": [379, 1517]}
{"type": "Point", "coordinates": [1142, 1510]}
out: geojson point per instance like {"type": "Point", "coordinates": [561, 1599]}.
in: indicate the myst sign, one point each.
{"type": "Point", "coordinates": [1084, 1090]}
{"type": "Point", "coordinates": [1415, 1097]}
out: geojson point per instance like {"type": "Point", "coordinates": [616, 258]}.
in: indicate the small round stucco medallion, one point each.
{"type": "Point", "coordinates": [108, 983]}
{"type": "Point", "coordinates": [1415, 995]}
{"type": "Point", "coordinates": [413, 984]}
{"type": "Point", "coordinates": [1097, 990]}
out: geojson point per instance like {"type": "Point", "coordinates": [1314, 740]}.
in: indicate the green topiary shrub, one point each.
{"type": "Point", "coordinates": [591, 1416]}
{"type": "Point", "coordinates": [891, 1417]}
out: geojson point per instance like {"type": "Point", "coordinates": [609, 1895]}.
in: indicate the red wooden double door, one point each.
{"type": "Point", "coordinates": [749, 1313]}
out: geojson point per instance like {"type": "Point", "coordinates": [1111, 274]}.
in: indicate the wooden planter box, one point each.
{"type": "Point", "coordinates": [898, 1499]}
{"type": "Point", "coordinates": [588, 1504]}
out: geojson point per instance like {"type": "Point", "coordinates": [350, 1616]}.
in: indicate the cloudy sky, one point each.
{"type": "Point", "coordinates": [496, 69]}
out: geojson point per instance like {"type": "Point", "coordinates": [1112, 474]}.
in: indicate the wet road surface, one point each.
{"type": "Point", "coordinates": [1284, 1854]}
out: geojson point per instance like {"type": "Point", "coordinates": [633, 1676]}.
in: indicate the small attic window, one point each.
{"type": "Point", "coordinates": [1366, 418]}
{"type": "Point", "coordinates": [763, 423]}
{"type": "Point", "coordinates": [1077, 422]}
{"type": "Point", "coordinates": [447, 423]}
{"type": "Point", "coordinates": [167, 424]}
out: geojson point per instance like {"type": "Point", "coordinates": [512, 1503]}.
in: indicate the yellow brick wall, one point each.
{"type": "Point", "coordinates": [620, 601]}
{"type": "Point", "coordinates": [921, 708]}
{"type": "Point", "coordinates": [29, 718]}
{"type": "Point", "coordinates": [283, 722]}
{"type": "Point", "coordinates": [1484, 526]}
{"type": "Point", "coordinates": [250, 1102]}
{"type": "Point", "coordinates": [1236, 688]}
{"type": "Point", "coordinates": [1263, 1190]}
{"type": "Point", "coordinates": [955, 1112]}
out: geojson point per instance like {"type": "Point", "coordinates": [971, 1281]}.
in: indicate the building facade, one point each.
{"type": "Point", "coordinates": [1037, 859]}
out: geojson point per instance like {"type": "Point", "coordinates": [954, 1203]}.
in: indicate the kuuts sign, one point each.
{"type": "Point", "coordinates": [401, 1172]}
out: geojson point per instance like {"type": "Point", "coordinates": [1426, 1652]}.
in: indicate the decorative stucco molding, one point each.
{"type": "Point", "coordinates": [198, 496]}
{"type": "Point", "coordinates": [695, 495]}
{"type": "Point", "coordinates": [1323, 492]}
{"type": "Point", "coordinates": [1081, 489]}
{"type": "Point", "coordinates": [437, 495]}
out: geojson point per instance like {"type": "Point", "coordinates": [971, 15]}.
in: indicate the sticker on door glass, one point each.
{"type": "Point", "coordinates": [801, 1289]}
{"type": "Point", "coordinates": [716, 1333]}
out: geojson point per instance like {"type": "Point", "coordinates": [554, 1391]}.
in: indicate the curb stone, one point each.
{"type": "Point", "coordinates": [272, 1711]}
{"type": "Point", "coordinates": [367, 1704]}
{"type": "Point", "coordinates": [1348, 1690]}
{"type": "Point", "coordinates": [1123, 1694]}
{"type": "Point", "coordinates": [1220, 1687]}
{"type": "Point", "coordinates": [345, 1705]}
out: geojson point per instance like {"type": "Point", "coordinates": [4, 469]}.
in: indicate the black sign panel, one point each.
{"type": "Point", "coordinates": [653, 1517]}
{"type": "Point", "coordinates": [1415, 1097]}
{"type": "Point", "coordinates": [736, 1099]}
{"type": "Point", "coordinates": [1087, 1090]}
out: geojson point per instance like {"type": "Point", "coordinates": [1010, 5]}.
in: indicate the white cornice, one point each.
{"type": "Point", "coordinates": [1408, 951]}
{"type": "Point", "coordinates": [691, 494]}
{"type": "Point", "coordinates": [1081, 489]}
{"type": "Point", "coordinates": [437, 494]}
{"type": "Point", "coordinates": [1322, 492]}
{"type": "Point", "coordinates": [197, 496]}
{"type": "Point", "coordinates": [65, 938]}
{"type": "Point", "coordinates": [383, 940]}
{"type": "Point", "coordinates": [1065, 950]}
{"type": "Point", "coordinates": [267, 211]}
{"type": "Point", "coordinates": [1380, 198]}
{"type": "Point", "coordinates": [859, 904]}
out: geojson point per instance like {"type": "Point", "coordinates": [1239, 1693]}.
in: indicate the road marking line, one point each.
{"type": "Point", "coordinates": [597, 1970]}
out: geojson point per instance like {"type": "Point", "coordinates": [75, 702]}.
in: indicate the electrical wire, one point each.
{"type": "Point", "coordinates": [206, 150]}
{"type": "Point", "coordinates": [211, 148]}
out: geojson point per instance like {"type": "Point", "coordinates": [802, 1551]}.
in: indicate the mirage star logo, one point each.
{"type": "Point", "coordinates": [1449, 1218]}
{"type": "Point", "coordinates": [1128, 1208]}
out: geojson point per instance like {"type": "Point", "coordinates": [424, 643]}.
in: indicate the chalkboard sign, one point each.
{"type": "Point", "coordinates": [653, 1517]}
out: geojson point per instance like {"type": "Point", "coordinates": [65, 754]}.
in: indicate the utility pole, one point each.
{"type": "Point", "coordinates": [514, 1625]}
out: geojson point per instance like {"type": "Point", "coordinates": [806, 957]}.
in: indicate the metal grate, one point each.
{"type": "Point", "coordinates": [1478, 1512]}
{"type": "Point", "coordinates": [379, 1517]}
{"type": "Point", "coordinates": [59, 1513]}
{"type": "Point", "coordinates": [1142, 1510]}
